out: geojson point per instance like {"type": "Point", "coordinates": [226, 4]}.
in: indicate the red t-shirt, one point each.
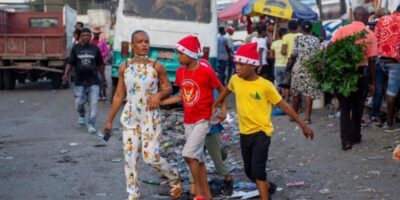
{"type": "Point", "coordinates": [197, 91]}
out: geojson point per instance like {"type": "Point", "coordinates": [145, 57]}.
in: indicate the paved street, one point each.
{"type": "Point", "coordinates": [45, 154]}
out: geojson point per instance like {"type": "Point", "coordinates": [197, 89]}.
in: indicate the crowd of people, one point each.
{"type": "Point", "coordinates": [256, 73]}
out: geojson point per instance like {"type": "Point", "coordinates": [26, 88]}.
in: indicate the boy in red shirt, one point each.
{"type": "Point", "coordinates": [196, 80]}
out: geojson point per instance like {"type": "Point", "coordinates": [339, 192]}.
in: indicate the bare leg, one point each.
{"type": "Point", "coordinates": [195, 171]}
{"type": "Point", "coordinates": [309, 103]}
{"type": "Point", "coordinates": [296, 103]}
{"type": "Point", "coordinates": [204, 181]}
{"type": "Point", "coordinates": [390, 110]}
{"type": "Point", "coordinates": [263, 189]}
{"type": "Point", "coordinates": [285, 93]}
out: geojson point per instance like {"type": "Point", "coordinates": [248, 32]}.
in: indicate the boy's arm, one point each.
{"type": "Point", "coordinates": [308, 133]}
{"type": "Point", "coordinates": [221, 99]}
{"type": "Point", "coordinates": [224, 109]}
{"type": "Point", "coordinates": [171, 100]}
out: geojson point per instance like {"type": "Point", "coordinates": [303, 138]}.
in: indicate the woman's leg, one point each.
{"type": "Point", "coordinates": [151, 134]}
{"type": "Point", "coordinates": [296, 103]}
{"type": "Point", "coordinates": [131, 146]}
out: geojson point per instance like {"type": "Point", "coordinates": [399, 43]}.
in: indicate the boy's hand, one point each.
{"type": "Point", "coordinates": [222, 115]}
{"type": "Point", "coordinates": [308, 133]}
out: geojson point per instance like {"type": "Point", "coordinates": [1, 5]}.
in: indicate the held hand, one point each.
{"type": "Point", "coordinates": [308, 133]}
{"type": "Point", "coordinates": [153, 102]}
{"type": "Point", "coordinates": [222, 115]}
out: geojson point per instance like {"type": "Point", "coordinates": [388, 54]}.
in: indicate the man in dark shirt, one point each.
{"type": "Point", "coordinates": [88, 63]}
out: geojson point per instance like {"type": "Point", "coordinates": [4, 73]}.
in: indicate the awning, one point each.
{"type": "Point", "coordinates": [233, 11]}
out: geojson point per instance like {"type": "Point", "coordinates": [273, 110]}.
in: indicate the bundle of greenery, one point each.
{"type": "Point", "coordinates": [336, 68]}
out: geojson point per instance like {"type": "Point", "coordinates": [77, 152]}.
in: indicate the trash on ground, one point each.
{"type": "Point", "coordinates": [369, 190]}
{"type": "Point", "coordinates": [295, 184]}
{"type": "Point", "coordinates": [151, 182]}
{"type": "Point", "coordinates": [396, 153]}
{"type": "Point", "coordinates": [374, 172]}
{"type": "Point", "coordinates": [63, 151]}
{"type": "Point", "coordinates": [67, 159]}
{"type": "Point", "coordinates": [7, 158]}
{"type": "Point", "coordinates": [330, 125]}
{"type": "Point", "coordinates": [245, 195]}
{"type": "Point", "coordinates": [101, 194]}
{"type": "Point", "coordinates": [325, 191]}
{"type": "Point", "coordinates": [73, 144]}
{"type": "Point", "coordinates": [244, 186]}
{"type": "Point", "coordinates": [277, 112]}
{"type": "Point", "coordinates": [116, 160]}
{"type": "Point", "coordinates": [99, 145]}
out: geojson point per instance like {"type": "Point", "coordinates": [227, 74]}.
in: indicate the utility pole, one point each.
{"type": "Point", "coordinates": [321, 12]}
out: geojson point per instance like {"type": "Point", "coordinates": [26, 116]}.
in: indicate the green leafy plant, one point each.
{"type": "Point", "coordinates": [336, 68]}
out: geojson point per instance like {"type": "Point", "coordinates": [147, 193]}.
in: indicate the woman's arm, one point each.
{"type": "Point", "coordinates": [165, 89]}
{"type": "Point", "coordinates": [118, 98]}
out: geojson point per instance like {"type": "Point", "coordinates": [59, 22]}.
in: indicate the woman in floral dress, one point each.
{"type": "Point", "coordinates": [302, 84]}
{"type": "Point", "coordinates": [144, 83]}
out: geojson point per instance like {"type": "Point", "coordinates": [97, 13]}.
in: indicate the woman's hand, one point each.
{"type": "Point", "coordinates": [108, 126]}
{"type": "Point", "coordinates": [153, 102]}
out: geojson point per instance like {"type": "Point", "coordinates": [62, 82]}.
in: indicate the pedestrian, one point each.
{"type": "Point", "coordinates": [231, 65]}
{"type": "Point", "coordinates": [279, 59]}
{"type": "Point", "coordinates": [102, 44]}
{"type": "Point", "coordinates": [78, 25]}
{"type": "Point", "coordinates": [222, 55]}
{"type": "Point", "coordinates": [144, 82]}
{"type": "Point", "coordinates": [77, 35]}
{"type": "Point", "coordinates": [196, 81]}
{"type": "Point", "coordinates": [381, 74]}
{"type": "Point", "coordinates": [302, 84]}
{"type": "Point", "coordinates": [351, 106]}
{"type": "Point", "coordinates": [88, 64]}
{"type": "Point", "coordinates": [388, 36]}
{"type": "Point", "coordinates": [287, 48]}
{"type": "Point", "coordinates": [263, 70]}
{"type": "Point", "coordinates": [254, 99]}
{"type": "Point", "coordinates": [219, 153]}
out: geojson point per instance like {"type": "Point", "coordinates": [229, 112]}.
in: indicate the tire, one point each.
{"type": "Point", "coordinates": [1, 80]}
{"type": "Point", "coordinates": [56, 80]}
{"type": "Point", "coordinates": [9, 79]}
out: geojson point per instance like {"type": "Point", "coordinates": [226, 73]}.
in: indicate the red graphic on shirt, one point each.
{"type": "Point", "coordinates": [190, 92]}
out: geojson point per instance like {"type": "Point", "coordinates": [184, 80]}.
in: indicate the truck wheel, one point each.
{"type": "Point", "coordinates": [1, 80]}
{"type": "Point", "coordinates": [56, 80]}
{"type": "Point", "coordinates": [9, 79]}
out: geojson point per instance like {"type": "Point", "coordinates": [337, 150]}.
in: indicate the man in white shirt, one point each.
{"type": "Point", "coordinates": [261, 40]}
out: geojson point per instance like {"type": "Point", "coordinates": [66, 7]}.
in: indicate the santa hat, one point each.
{"type": "Point", "coordinates": [190, 46]}
{"type": "Point", "coordinates": [247, 54]}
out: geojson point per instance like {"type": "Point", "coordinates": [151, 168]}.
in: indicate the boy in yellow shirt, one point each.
{"type": "Point", "coordinates": [254, 99]}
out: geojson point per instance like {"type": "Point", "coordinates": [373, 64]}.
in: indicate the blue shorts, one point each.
{"type": "Point", "coordinates": [394, 79]}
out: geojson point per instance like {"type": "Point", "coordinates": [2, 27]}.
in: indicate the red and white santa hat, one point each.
{"type": "Point", "coordinates": [189, 45]}
{"type": "Point", "coordinates": [247, 54]}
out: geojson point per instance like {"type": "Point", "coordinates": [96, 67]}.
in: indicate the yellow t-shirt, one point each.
{"type": "Point", "coordinates": [254, 100]}
{"type": "Point", "coordinates": [289, 40]}
{"type": "Point", "coordinates": [280, 60]}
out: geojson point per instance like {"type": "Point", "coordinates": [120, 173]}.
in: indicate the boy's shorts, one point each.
{"type": "Point", "coordinates": [394, 79]}
{"type": "Point", "coordinates": [195, 137]}
{"type": "Point", "coordinates": [254, 149]}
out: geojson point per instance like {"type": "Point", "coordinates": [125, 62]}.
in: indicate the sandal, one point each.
{"type": "Point", "coordinates": [176, 188]}
{"type": "Point", "coordinates": [307, 121]}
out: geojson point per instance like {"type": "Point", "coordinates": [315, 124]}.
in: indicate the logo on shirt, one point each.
{"type": "Point", "coordinates": [190, 92]}
{"type": "Point", "coordinates": [256, 96]}
{"type": "Point", "coordinates": [86, 57]}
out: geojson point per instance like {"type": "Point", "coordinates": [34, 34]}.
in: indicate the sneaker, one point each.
{"type": "Point", "coordinates": [81, 121]}
{"type": "Point", "coordinates": [92, 130]}
{"type": "Point", "coordinates": [391, 129]}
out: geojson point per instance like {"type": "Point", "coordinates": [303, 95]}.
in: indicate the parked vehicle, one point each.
{"type": "Point", "coordinates": [166, 22]}
{"type": "Point", "coordinates": [34, 45]}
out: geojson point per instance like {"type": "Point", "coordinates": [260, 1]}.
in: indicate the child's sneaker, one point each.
{"type": "Point", "coordinates": [91, 129]}
{"type": "Point", "coordinates": [82, 121]}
